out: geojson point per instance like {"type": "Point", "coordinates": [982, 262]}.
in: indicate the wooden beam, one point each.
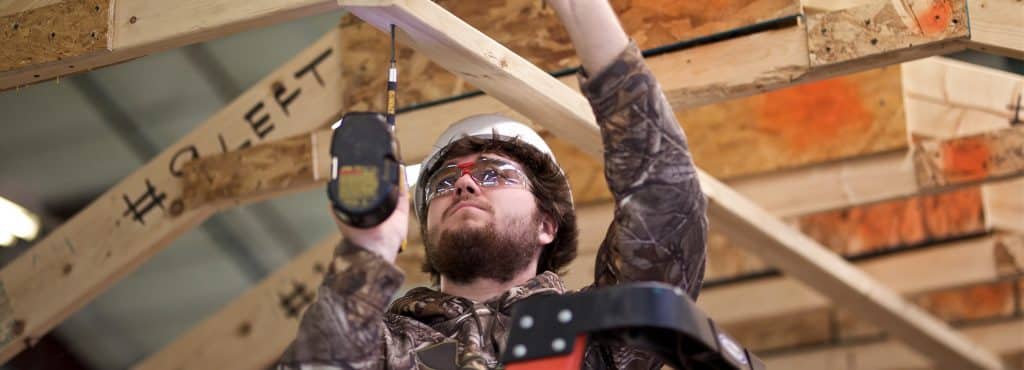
{"type": "Point", "coordinates": [999, 337]}
{"type": "Point", "coordinates": [45, 39]}
{"type": "Point", "coordinates": [974, 260]}
{"type": "Point", "coordinates": [464, 50]}
{"type": "Point", "coordinates": [142, 213]}
{"type": "Point", "coordinates": [997, 27]}
{"type": "Point", "coordinates": [946, 98]}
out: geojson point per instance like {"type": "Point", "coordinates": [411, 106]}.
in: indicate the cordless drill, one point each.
{"type": "Point", "coordinates": [365, 163]}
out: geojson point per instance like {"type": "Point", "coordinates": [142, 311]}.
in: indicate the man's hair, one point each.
{"type": "Point", "coordinates": [548, 185]}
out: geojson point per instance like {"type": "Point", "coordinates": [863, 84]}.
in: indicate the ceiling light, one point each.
{"type": "Point", "coordinates": [6, 239]}
{"type": "Point", "coordinates": [17, 221]}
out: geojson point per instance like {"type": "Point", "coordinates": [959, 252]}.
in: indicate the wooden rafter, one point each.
{"type": "Point", "coordinates": [143, 213]}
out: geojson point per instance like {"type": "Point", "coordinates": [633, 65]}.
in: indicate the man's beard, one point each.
{"type": "Point", "coordinates": [490, 252]}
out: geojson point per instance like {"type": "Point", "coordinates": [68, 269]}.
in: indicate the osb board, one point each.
{"type": "Point", "coordinates": [882, 26]}
{"type": "Point", "coordinates": [532, 30]}
{"type": "Point", "coordinates": [53, 32]}
{"type": "Point", "coordinates": [971, 303]}
{"type": "Point", "coordinates": [864, 229]}
{"type": "Point", "coordinates": [790, 330]}
{"type": "Point", "coordinates": [840, 117]}
{"type": "Point", "coordinates": [969, 158]}
{"type": "Point", "coordinates": [896, 223]}
{"type": "Point", "coordinates": [810, 123]}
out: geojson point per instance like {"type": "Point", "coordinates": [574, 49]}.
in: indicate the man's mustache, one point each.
{"type": "Point", "coordinates": [483, 206]}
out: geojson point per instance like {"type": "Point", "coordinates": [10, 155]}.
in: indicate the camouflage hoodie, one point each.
{"type": "Point", "coordinates": [658, 234]}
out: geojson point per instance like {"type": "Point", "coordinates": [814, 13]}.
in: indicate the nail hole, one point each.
{"type": "Point", "coordinates": [97, 8]}
{"type": "Point", "coordinates": [132, 20]}
{"type": "Point", "coordinates": [15, 26]}
{"type": "Point", "coordinates": [874, 41]}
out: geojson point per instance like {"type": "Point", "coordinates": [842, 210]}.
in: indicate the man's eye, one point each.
{"type": "Point", "coordinates": [487, 176]}
{"type": "Point", "coordinates": [444, 183]}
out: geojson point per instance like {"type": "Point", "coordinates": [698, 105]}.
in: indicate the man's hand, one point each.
{"type": "Point", "coordinates": [383, 239]}
{"type": "Point", "coordinates": [594, 29]}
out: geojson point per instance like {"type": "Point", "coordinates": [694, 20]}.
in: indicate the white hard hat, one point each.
{"type": "Point", "coordinates": [488, 126]}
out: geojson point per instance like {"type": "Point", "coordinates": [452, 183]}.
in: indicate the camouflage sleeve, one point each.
{"type": "Point", "coordinates": [660, 228]}
{"type": "Point", "coordinates": [344, 327]}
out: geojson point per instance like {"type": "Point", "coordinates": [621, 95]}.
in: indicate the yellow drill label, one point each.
{"type": "Point", "coordinates": [357, 185]}
{"type": "Point", "coordinates": [391, 102]}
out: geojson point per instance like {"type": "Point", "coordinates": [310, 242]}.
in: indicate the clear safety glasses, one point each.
{"type": "Point", "coordinates": [486, 172]}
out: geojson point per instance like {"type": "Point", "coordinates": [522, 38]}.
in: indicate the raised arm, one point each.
{"type": "Point", "coordinates": [660, 228]}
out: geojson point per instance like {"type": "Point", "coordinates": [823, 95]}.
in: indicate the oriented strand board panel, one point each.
{"type": "Point", "coordinates": [809, 123]}
{"type": "Point", "coordinates": [865, 229]}
{"type": "Point", "coordinates": [896, 223]}
{"type": "Point", "coordinates": [44, 34]}
{"type": "Point", "coordinates": [805, 124]}
{"type": "Point", "coordinates": [969, 158]}
{"type": "Point", "coordinates": [531, 30]}
{"type": "Point", "coordinates": [882, 26]}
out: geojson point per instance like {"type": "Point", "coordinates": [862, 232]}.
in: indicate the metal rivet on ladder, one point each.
{"type": "Point", "coordinates": [558, 344]}
{"type": "Point", "coordinates": [564, 316]}
{"type": "Point", "coordinates": [519, 350]}
{"type": "Point", "coordinates": [526, 322]}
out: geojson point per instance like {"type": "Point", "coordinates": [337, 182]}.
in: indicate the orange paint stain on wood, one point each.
{"type": "Point", "coordinates": [816, 113]}
{"type": "Point", "coordinates": [971, 303]}
{"type": "Point", "coordinates": [936, 18]}
{"type": "Point", "coordinates": [965, 159]}
{"type": "Point", "coordinates": [896, 223]}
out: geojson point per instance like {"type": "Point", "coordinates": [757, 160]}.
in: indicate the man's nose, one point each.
{"type": "Point", "coordinates": [465, 185]}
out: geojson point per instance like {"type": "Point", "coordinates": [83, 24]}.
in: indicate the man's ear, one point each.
{"type": "Point", "coordinates": [546, 230]}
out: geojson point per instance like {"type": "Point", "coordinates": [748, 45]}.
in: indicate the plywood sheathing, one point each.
{"type": "Point", "coordinates": [882, 26]}
{"type": "Point", "coordinates": [53, 32]}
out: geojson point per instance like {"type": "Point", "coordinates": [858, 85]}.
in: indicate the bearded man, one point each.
{"type": "Point", "coordinates": [498, 223]}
